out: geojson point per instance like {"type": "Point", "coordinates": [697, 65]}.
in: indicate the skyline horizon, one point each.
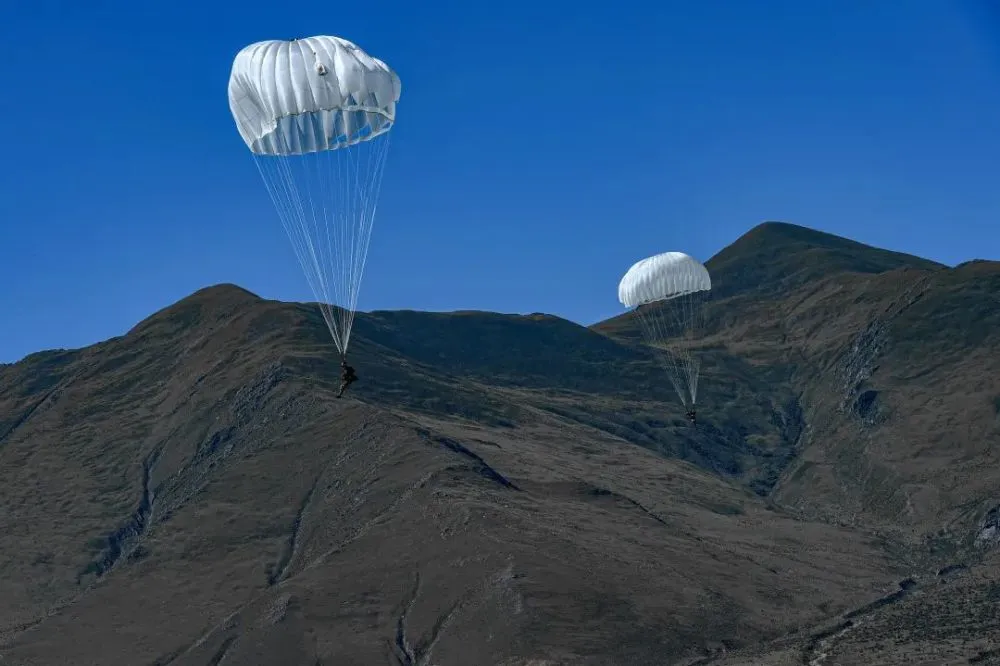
{"type": "Point", "coordinates": [584, 324]}
{"type": "Point", "coordinates": [537, 153]}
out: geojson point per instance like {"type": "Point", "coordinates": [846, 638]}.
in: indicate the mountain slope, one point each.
{"type": "Point", "coordinates": [907, 409]}
{"type": "Point", "coordinates": [193, 489]}
{"type": "Point", "coordinates": [507, 489]}
{"type": "Point", "coordinates": [887, 365]}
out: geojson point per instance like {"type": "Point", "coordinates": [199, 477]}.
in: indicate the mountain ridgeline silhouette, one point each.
{"type": "Point", "coordinates": [777, 257]}
{"type": "Point", "coordinates": [519, 489]}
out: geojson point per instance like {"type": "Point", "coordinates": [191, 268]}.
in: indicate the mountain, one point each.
{"type": "Point", "coordinates": [518, 490]}
{"type": "Point", "coordinates": [776, 257]}
{"type": "Point", "coordinates": [848, 335]}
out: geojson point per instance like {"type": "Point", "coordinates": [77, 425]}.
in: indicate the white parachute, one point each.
{"type": "Point", "coordinates": [316, 115]}
{"type": "Point", "coordinates": [667, 291]}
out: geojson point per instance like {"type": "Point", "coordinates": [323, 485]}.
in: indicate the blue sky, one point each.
{"type": "Point", "coordinates": [541, 147]}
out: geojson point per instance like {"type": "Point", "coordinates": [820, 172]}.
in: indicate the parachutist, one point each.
{"type": "Point", "coordinates": [347, 376]}
{"type": "Point", "coordinates": [292, 127]}
{"type": "Point", "coordinates": [666, 292]}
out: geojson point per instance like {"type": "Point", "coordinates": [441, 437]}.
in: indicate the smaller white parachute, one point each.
{"type": "Point", "coordinates": [667, 291]}
{"type": "Point", "coordinates": [661, 278]}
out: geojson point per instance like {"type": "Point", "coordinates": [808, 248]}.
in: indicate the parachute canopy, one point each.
{"type": "Point", "coordinates": [662, 277]}
{"type": "Point", "coordinates": [309, 95]}
{"type": "Point", "coordinates": [667, 291]}
{"type": "Point", "coordinates": [316, 114]}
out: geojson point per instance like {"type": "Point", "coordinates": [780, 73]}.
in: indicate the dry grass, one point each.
{"type": "Point", "coordinates": [511, 490]}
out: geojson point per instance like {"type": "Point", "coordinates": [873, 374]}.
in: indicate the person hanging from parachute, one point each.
{"type": "Point", "coordinates": [666, 292]}
{"type": "Point", "coordinates": [316, 114]}
{"type": "Point", "coordinates": [347, 376]}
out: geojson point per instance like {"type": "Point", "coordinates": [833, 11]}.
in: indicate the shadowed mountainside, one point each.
{"type": "Point", "coordinates": [519, 489]}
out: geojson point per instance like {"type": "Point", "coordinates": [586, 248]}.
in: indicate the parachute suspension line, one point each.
{"type": "Point", "coordinates": [326, 202]}
{"type": "Point", "coordinates": [656, 331]}
{"type": "Point", "coordinates": [669, 326]}
{"type": "Point", "coordinates": [687, 323]}
{"type": "Point", "coordinates": [282, 187]}
{"type": "Point", "coordinates": [368, 176]}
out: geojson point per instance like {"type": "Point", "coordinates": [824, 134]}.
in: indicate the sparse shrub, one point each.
{"type": "Point", "coordinates": [43, 558]}
{"type": "Point", "coordinates": [139, 553]}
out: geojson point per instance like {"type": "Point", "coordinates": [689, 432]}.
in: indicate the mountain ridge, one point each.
{"type": "Point", "coordinates": [511, 489]}
{"type": "Point", "coordinates": [759, 257]}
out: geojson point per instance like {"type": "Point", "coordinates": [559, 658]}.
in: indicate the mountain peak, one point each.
{"type": "Point", "coordinates": [775, 256]}
{"type": "Point", "coordinates": [225, 291]}
{"type": "Point", "coordinates": [218, 301]}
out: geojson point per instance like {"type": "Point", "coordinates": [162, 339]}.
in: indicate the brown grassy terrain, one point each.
{"type": "Point", "coordinates": [517, 489]}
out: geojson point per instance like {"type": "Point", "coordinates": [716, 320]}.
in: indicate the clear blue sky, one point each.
{"type": "Point", "coordinates": [541, 146]}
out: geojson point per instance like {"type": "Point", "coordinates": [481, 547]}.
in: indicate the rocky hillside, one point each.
{"type": "Point", "coordinates": [518, 489]}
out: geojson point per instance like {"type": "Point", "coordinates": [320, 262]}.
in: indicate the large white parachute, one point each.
{"type": "Point", "coordinates": [667, 291]}
{"type": "Point", "coordinates": [316, 114]}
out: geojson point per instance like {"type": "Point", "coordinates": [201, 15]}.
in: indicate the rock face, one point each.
{"type": "Point", "coordinates": [988, 535]}
{"type": "Point", "coordinates": [519, 489]}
